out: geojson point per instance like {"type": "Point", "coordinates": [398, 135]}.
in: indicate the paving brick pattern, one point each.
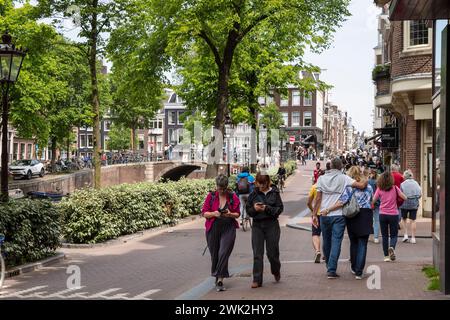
{"type": "Point", "coordinates": [169, 264]}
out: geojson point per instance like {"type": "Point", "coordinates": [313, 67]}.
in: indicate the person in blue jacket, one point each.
{"type": "Point", "coordinates": [245, 183]}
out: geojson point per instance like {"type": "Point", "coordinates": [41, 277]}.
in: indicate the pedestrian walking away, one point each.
{"type": "Point", "coordinates": [221, 209]}
{"type": "Point", "coordinates": [376, 207]}
{"type": "Point", "coordinates": [316, 231]}
{"type": "Point", "coordinates": [359, 227]}
{"type": "Point", "coordinates": [388, 193]}
{"type": "Point", "coordinates": [330, 187]}
{"type": "Point", "coordinates": [413, 193]}
{"type": "Point", "coordinates": [264, 205]}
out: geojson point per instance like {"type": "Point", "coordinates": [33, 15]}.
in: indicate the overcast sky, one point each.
{"type": "Point", "coordinates": [349, 63]}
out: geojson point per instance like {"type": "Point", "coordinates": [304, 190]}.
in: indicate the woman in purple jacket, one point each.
{"type": "Point", "coordinates": [221, 209]}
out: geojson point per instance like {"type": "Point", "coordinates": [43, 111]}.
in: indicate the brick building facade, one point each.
{"type": "Point", "coordinates": [403, 81]}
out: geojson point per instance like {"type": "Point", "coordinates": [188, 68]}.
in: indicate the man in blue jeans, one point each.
{"type": "Point", "coordinates": [330, 187]}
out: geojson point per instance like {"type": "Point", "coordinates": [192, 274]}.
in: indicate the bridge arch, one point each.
{"type": "Point", "coordinates": [176, 171]}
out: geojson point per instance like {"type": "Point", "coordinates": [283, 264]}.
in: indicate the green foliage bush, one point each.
{"type": "Point", "coordinates": [92, 216]}
{"type": "Point", "coordinates": [31, 228]}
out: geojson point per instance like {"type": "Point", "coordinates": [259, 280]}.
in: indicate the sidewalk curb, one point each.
{"type": "Point", "coordinates": [128, 237]}
{"type": "Point", "coordinates": [299, 227]}
{"type": "Point", "coordinates": [30, 267]}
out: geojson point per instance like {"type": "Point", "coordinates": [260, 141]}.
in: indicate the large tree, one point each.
{"type": "Point", "coordinates": [214, 29]}
{"type": "Point", "coordinates": [50, 96]}
{"type": "Point", "coordinates": [94, 19]}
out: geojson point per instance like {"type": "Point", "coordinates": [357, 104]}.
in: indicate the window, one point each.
{"type": "Point", "coordinates": [83, 141]}
{"type": "Point", "coordinates": [418, 33]}
{"type": "Point", "coordinates": [270, 97]}
{"type": "Point", "coordinates": [15, 151]}
{"type": "Point", "coordinates": [29, 151]}
{"type": "Point", "coordinates": [160, 124]}
{"type": "Point", "coordinates": [173, 136]}
{"type": "Point", "coordinates": [180, 113]}
{"type": "Point", "coordinates": [172, 117]}
{"type": "Point", "coordinates": [307, 119]}
{"type": "Point", "coordinates": [307, 99]}
{"type": "Point", "coordinates": [295, 119]}
{"type": "Point", "coordinates": [416, 36]}
{"type": "Point", "coordinates": [296, 98]}
{"type": "Point", "coordinates": [90, 140]}
{"type": "Point", "coordinates": [284, 100]}
{"type": "Point", "coordinates": [22, 151]}
{"type": "Point", "coordinates": [141, 143]}
{"type": "Point", "coordinates": [262, 100]}
{"type": "Point", "coordinates": [107, 125]}
{"type": "Point", "coordinates": [285, 118]}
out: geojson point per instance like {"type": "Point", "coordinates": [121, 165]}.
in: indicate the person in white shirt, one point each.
{"type": "Point", "coordinates": [330, 187]}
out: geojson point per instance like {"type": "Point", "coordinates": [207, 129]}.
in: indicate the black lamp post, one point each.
{"type": "Point", "coordinates": [11, 59]}
{"type": "Point", "coordinates": [282, 130]}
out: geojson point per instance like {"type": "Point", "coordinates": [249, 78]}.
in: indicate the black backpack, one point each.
{"type": "Point", "coordinates": [213, 197]}
{"type": "Point", "coordinates": [243, 185]}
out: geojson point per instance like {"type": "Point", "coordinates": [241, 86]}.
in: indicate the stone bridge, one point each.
{"type": "Point", "coordinates": [171, 170]}
{"type": "Point", "coordinates": [112, 175]}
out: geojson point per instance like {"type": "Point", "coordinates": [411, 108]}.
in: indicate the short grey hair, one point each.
{"type": "Point", "coordinates": [395, 168]}
{"type": "Point", "coordinates": [222, 181]}
{"type": "Point", "coordinates": [408, 174]}
{"type": "Point", "coordinates": [336, 163]}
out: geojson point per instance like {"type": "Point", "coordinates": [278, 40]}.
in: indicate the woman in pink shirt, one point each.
{"type": "Point", "coordinates": [387, 192]}
{"type": "Point", "coordinates": [221, 209]}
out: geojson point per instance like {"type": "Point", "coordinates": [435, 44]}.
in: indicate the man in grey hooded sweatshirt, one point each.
{"type": "Point", "coordinates": [329, 189]}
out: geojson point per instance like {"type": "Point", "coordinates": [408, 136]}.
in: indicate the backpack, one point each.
{"type": "Point", "coordinates": [243, 186]}
{"type": "Point", "coordinates": [351, 208]}
{"type": "Point", "coordinates": [213, 197]}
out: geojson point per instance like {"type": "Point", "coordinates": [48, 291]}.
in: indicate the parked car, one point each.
{"type": "Point", "coordinates": [27, 168]}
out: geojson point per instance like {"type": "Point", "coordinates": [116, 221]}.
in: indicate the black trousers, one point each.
{"type": "Point", "coordinates": [265, 232]}
{"type": "Point", "coordinates": [220, 241]}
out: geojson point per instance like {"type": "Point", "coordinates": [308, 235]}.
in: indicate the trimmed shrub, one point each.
{"type": "Point", "coordinates": [31, 229]}
{"type": "Point", "coordinates": [92, 216]}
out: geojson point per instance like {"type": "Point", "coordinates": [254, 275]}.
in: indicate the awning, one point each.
{"type": "Point", "coordinates": [372, 138]}
{"type": "Point", "coordinates": [419, 10]}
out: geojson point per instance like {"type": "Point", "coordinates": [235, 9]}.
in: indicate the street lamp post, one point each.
{"type": "Point", "coordinates": [282, 130]}
{"type": "Point", "coordinates": [11, 59]}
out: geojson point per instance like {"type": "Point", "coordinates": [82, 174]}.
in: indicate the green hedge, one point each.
{"type": "Point", "coordinates": [31, 228]}
{"type": "Point", "coordinates": [92, 216]}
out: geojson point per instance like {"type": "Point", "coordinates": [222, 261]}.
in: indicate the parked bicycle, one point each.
{"type": "Point", "coordinates": [246, 220]}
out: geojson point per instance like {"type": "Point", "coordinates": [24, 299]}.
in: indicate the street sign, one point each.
{"type": "Point", "coordinates": [291, 139]}
{"type": "Point", "coordinates": [389, 138]}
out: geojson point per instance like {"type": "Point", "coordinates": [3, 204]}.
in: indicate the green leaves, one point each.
{"type": "Point", "coordinates": [92, 216]}
{"type": "Point", "coordinates": [32, 229]}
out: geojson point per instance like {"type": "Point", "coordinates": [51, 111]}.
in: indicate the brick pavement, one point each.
{"type": "Point", "coordinates": [169, 264]}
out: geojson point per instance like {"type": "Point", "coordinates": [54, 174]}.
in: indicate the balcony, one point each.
{"type": "Point", "coordinates": [381, 76]}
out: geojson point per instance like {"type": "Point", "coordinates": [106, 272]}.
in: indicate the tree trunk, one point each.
{"type": "Point", "coordinates": [68, 146]}
{"type": "Point", "coordinates": [95, 96]}
{"type": "Point", "coordinates": [4, 173]}
{"type": "Point", "coordinates": [53, 160]}
{"type": "Point", "coordinates": [212, 168]}
{"type": "Point", "coordinates": [133, 138]}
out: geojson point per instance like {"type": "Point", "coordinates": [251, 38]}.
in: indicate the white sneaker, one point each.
{"type": "Point", "coordinates": [413, 240]}
{"type": "Point", "coordinates": [405, 238]}
{"type": "Point", "coordinates": [387, 259]}
{"type": "Point", "coordinates": [376, 240]}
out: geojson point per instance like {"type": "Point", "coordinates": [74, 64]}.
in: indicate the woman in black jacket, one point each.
{"type": "Point", "coordinates": [264, 205]}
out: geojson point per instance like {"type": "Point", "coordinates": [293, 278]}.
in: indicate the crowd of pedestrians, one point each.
{"type": "Point", "coordinates": [360, 197]}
